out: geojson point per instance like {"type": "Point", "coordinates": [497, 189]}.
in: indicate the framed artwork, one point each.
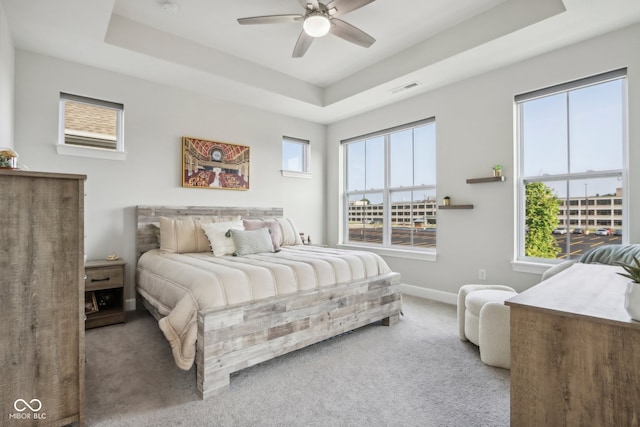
{"type": "Point", "coordinates": [213, 164]}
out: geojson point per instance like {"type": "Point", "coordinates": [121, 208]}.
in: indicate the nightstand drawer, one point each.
{"type": "Point", "coordinates": [104, 278]}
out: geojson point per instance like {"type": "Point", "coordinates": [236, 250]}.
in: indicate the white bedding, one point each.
{"type": "Point", "coordinates": [179, 285]}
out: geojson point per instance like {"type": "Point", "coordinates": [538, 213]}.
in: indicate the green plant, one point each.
{"type": "Point", "coordinates": [632, 272]}
{"type": "Point", "coordinates": [541, 218]}
{"type": "Point", "coordinates": [497, 167]}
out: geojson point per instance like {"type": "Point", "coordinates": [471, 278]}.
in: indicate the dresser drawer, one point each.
{"type": "Point", "coordinates": [104, 278]}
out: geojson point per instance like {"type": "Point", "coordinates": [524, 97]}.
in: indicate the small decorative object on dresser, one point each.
{"type": "Point", "coordinates": [497, 170]}
{"type": "Point", "coordinates": [8, 158]}
{"type": "Point", "coordinates": [105, 280]}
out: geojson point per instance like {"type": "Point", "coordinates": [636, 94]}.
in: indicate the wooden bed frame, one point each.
{"type": "Point", "coordinates": [242, 335]}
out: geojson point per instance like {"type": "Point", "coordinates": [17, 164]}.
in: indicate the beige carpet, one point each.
{"type": "Point", "coordinates": [415, 373]}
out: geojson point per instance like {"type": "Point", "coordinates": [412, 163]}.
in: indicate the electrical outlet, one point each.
{"type": "Point", "coordinates": [482, 274]}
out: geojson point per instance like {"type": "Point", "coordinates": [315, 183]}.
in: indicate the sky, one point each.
{"type": "Point", "coordinates": [575, 132]}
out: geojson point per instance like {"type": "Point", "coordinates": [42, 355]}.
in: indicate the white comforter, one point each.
{"type": "Point", "coordinates": [179, 285]}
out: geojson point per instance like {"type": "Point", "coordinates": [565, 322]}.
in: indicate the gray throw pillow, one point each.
{"type": "Point", "coordinates": [251, 241]}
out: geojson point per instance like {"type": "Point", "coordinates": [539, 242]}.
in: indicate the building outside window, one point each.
{"type": "Point", "coordinates": [390, 187]}
{"type": "Point", "coordinates": [572, 150]}
{"type": "Point", "coordinates": [91, 123]}
{"type": "Point", "coordinates": [295, 156]}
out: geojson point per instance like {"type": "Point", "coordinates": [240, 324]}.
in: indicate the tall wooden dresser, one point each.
{"type": "Point", "coordinates": [41, 298]}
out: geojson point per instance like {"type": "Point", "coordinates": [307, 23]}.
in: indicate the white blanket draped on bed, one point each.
{"type": "Point", "coordinates": [179, 285]}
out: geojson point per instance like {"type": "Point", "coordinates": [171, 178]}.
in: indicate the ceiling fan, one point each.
{"type": "Point", "coordinates": [318, 20]}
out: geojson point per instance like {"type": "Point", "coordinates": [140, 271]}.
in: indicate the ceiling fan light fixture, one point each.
{"type": "Point", "coordinates": [316, 24]}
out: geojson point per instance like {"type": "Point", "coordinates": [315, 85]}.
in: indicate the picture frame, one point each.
{"type": "Point", "coordinates": [214, 164]}
{"type": "Point", "coordinates": [90, 303]}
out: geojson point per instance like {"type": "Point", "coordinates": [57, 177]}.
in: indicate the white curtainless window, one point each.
{"type": "Point", "coordinates": [572, 150]}
{"type": "Point", "coordinates": [295, 157]}
{"type": "Point", "coordinates": [390, 188]}
{"type": "Point", "coordinates": [91, 127]}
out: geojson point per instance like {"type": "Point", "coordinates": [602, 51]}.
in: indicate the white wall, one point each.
{"type": "Point", "coordinates": [6, 82]}
{"type": "Point", "coordinates": [156, 117]}
{"type": "Point", "coordinates": [475, 129]}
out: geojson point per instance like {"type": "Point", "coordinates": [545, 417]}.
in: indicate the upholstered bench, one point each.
{"type": "Point", "coordinates": [483, 319]}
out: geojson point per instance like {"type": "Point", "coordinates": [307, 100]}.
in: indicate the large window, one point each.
{"type": "Point", "coordinates": [572, 144]}
{"type": "Point", "coordinates": [91, 127]}
{"type": "Point", "coordinates": [390, 187]}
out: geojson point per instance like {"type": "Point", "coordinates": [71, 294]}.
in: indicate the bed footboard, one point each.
{"type": "Point", "coordinates": [236, 337]}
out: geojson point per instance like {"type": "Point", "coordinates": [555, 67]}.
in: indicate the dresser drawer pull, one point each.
{"type": "Point", "coordinates": [101, 280]}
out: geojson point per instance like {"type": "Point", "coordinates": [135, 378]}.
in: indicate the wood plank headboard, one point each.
{"type": "Point", "coordinates": [146, 216]}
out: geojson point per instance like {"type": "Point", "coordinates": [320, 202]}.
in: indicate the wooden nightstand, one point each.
{"type": "Point", "coordinates": [104, 292]}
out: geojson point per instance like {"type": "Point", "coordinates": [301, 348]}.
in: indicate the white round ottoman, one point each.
{"type": "Point", "coordinates": [486, 322]}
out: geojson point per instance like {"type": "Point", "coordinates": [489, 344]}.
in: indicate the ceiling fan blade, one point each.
{"type": "Point", "coordinates": [271, 19]}
{"type": "Point", "coordinates": [345, 6]}
{"type": "Point", "coordinates": [314, 3]}
{"type": "Point", "coordinates": [350, 33]}
{"type": "Point", "coordinates": [302, 45]}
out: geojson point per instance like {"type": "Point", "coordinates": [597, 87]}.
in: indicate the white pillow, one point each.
{"type": "Point", "coordinates": [216, 233]}
{"type": "Point", "coordinates": [290, 235]}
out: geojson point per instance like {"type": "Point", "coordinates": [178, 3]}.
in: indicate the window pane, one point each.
{"type": "Point", "coordinates": [413, 160]}
{"type": "Point", "coordinates": [424, 159]}
{"type": "Point", "coordinates": [544, 135]}
{"type": "Point", "coordinates": [90, 125]}
{"type": "Point", "coordinates": [413, 218]}
{"type": "Point", "coordinates": [355, 166]}
{"type": "Point", "coordinates": [374, 171]}
{"type": "Point", "coordinates": [596, 123]}
{"type": "Point", "coordinates": [402, 156]}
{"type": "Point", "coordinates": [294, 155]}
{"type": "Point", "coordinates": [366, 218]}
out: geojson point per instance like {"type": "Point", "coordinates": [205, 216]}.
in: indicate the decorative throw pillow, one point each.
{"type": "Point", "coordinates": [271, 224]}
{"type": "Point", "coordinates": [251, 241]}
{"type": "Point", "coordinates": [182, 236]}
{"type": "Point", "coordinates": [290, 235]}
{"type": "Point", "coordinates": [216, 232]}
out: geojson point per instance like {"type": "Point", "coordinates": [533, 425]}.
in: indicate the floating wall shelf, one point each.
{"type": "Point", "coordinates": [488, 179]}
{"type": "Point", "coordinates": [455, 207]}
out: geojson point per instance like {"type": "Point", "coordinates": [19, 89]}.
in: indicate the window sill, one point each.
{"type": "Point", "coordinates": [530, 267]}
{"type": "Point", "coordinates": [396, 253]}
{"type": "Point", "coordinates": [294, 174]}
{"type": "Point", "coordinates": [96, 153]}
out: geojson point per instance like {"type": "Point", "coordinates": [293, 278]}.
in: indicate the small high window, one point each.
{"type": "Point", "coordinates": [89, 126]}
{"type": "Point", "coordinates": [295, 157]}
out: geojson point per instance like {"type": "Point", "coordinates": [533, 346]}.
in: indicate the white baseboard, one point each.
{"type": "Point", "coordinates": [432, 294]}
{"type": "Point", "coordinates": [130, 304]}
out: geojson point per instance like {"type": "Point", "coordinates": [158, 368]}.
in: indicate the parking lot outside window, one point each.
{"type": "Point", "coordinates": [390, 188]}
{"type": "Point", "coordinates": [572, 141]}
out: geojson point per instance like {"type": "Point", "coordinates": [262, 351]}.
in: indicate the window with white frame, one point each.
{"type": "Point", "coordinates": [571, 183]}
{"type": "Point", "coordinates": [90, 124]}
{"type": "Point", "coordinates": [295, 156]}
{"type": "Point", "coordinates": [390, 187]}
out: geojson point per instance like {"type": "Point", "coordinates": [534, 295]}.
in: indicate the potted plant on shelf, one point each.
{"type": "Point", "coordinates": [632, 294]}
{"type": "Point", "coordinates": [497, 170]}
